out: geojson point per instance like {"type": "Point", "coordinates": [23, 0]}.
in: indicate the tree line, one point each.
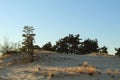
{"type": "Point", "coordinates": [73, 44]}
{"type": "Point", "coordinates": [70, 44]}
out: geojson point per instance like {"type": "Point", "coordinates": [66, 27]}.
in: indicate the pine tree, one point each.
{"type": "Point", "coordinates": [28, 40]}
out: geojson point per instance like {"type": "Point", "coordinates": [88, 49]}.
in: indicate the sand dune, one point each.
{"type": "Point", "coordinates": [53, 66]}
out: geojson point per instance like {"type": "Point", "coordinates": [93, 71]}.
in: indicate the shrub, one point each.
{"type": "Point", "coordinates": [118, 51]}
{"type": "Point", "coordinates": [9, 47]}
{"type": "Point", "coordinates": [91, 70]}
{"type": "Point", "coordinates": [116, 72]}
{"type": "Point", "coordinates": [85, 64]}
{"type": "Point", "coordinates": [109, 72]}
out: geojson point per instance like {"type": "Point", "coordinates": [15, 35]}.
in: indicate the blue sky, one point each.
{"type": "Point", "coordinates": [54, 19]}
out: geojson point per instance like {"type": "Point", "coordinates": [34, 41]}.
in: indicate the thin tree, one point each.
{"type": "Point", "coordinates": [28, 40]}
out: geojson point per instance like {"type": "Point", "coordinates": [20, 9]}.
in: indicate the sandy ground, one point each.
{"type": "Point", "coordinates": [53, 66]}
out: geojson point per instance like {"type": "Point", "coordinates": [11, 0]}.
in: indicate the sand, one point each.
{"type": "Point", "coordinates": [54, 66]}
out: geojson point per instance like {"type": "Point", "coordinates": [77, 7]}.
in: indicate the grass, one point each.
{"type": "Point", "coordinates": [5, 56]}
{"type": "Point", "coordinates": [51, 74]}
{"type": "Point", "coordinates": [71, 71]}
{"type": "Point", "coordinates": [85, 64]}
{"type": "Point", "coordinates": [109, 71]}
{"type": "Point", "coordinates": [115, 72]}
{"type": "Point", "coordinates": [91, 70]}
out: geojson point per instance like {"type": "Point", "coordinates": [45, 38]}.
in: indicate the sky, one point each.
{"type": "Point", "coordinates": [55, 19]}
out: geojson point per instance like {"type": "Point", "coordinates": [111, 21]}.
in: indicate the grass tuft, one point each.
{"type": "Point", "coordinates": [109, 72]}
{"type": "Point", "coordinates": [116, 72]}
{"type": "Point", "coordinates": [85, 64]}
{"type": "Point", "coordinates": [91, 70]}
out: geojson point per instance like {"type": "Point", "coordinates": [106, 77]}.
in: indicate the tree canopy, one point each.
{"type": "Point", "coordinates": [72, 44]}
{"type": "Point", "coordinates": [89, 46]}
{"type": "Point", "coordinates": [68, 44]}
{"type": "Point", "coordinates": [47, 46]}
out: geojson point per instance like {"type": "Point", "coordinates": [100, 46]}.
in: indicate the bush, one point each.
{"type": "Point", "coordinates": [89, 46]}
{"type": "Point", "coordinates": [91, 70]}
{"type": "Point", "coordinates": [118, 51]}
{"type": "Point", "coordinates": [68, 44]}
{"type": "Point", "coordinates": [47, 46]}
{"type": "Point", "coordinates": [9, 48]}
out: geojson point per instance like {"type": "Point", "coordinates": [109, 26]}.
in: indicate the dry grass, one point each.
{"type": "Point", "coordinates": [75, 69]}
{"type": "Point", "coordinates": [116, 72]}
{"type": "Point", "coordinates": [71, 71]}
{"type": "Point", "coordinates": [91, 70]}
{"type": "Point", "coordinates": [109, 71]}
{"type": "Point", "coordinates": [57, 72]}
{"type": "Point", "coordinates": [85, 64]}
{"type": "Point", "coordinates": [5, 56]}
{"type": "Point", "coordinates": [51, 74]}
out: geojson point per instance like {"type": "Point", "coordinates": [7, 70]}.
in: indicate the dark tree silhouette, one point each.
{"type": "Point", "coordinates": [118, 51]}
{"type": "Point", "coordinates": [47, 46]}
{"type": "Point", "coordinates": [89, 46]}
{"type": "Point", "coordinates": [61, 46]}
{"type": "Point", "coordinates": [68, 44]}
{"type": "Point", "coordinates": [28, 40]}
{"type": "Point", "coordinates": [103, 49]}
{"type": "Point", "coordinates": [54, 48]}
{"type": "Point", "coordinates": [37, 47]}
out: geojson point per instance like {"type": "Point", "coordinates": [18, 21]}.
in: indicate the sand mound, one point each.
{"type": "Point", "coordinates": [61, 67]}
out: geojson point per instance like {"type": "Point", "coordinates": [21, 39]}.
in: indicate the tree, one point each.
{"type": "Point", "coordinates": [37, 47]}
{"type": "Point", "coordinates": [54, 48]}
{"type": "Point", "coordinates": [47, 46]}
{"type": "Point", "coordinates": [89, 46]}
{"type": "Point", "coordinates": [61, 46]}
{"type": "Point", "coordinates": [28, 40]}
{"type": "Point", "coordinates": [103, 49]}
{"type": "Point", "coordinates": [118, 51]}
{"type": "Point", "coordinates": [68, 44]}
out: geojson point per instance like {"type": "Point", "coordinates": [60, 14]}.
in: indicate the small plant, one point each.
{"type": "Point", "coordinates": [51, 74]}
{"type": "Point", "coordinates": [85, 64]}
{"type": "Point", "coordinates": [109, 72]}
{"type": "Point", "coordinates": [91, 70]}
{"type": "Point", "coordinates": [116, 72]}
{"type": "Point", "coordinates": [5, 56]}
{"type": "Point", "coordinates": [9, 47]}
{"type": "Point", "coordinates": [99, 72]}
